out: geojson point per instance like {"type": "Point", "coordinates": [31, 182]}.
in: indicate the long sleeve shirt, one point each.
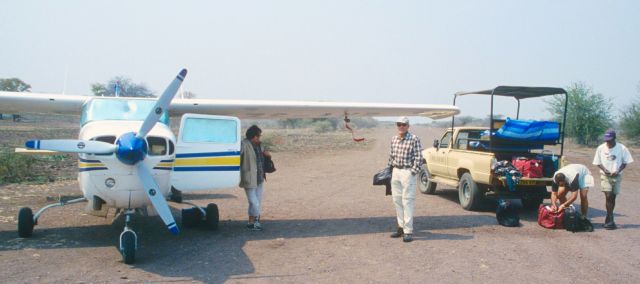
{"type": "Point", "coordinates": [406, 152]}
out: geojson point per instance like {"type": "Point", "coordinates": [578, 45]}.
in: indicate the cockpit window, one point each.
{"type": "Point", "coordinates": [107, 139]}
{"type": "Point", "coordinates": [157, 146]}
{"type": "Point", "coordinates": [119, 109]}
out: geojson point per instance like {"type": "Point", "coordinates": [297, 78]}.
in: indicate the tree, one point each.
{"type": "Point", "coordinates": [630, 120]}
{"type": "Point", "coordinates": [127, 88]}
{"type": "Point", "coordinates": [14, 85]}
{"type": "Point", "coordinates": [588, 113]}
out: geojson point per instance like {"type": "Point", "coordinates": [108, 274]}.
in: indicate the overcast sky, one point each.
{"type": "Point", "coordinates": [370, 51]}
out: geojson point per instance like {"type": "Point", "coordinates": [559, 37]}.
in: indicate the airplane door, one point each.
{"type": "Point", "coordinates": [207, 153]}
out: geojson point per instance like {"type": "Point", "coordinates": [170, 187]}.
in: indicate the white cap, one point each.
{"type": "Point", "coordinates": [403, 119]}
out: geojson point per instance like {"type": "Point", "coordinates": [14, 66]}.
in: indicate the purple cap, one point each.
{"type": "Point", "coordinates": [609, 135]}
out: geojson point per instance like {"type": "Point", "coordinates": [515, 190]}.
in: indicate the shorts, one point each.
{"type": "Point", "coordinates": [610, 184]}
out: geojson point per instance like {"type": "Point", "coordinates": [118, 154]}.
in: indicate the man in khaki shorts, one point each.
{"type": "Point", "coordinates": [611, 157]}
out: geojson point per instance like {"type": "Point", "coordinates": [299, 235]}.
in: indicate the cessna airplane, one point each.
{"type": "Point", "coordinates": [130, 160]}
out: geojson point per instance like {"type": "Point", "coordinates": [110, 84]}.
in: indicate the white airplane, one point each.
{"type": "Point", "coordinates": [130, 162]}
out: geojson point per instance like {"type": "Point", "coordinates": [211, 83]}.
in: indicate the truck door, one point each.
{"type": "Point", "coordinates": [207, 153]}
{"type": "Point", "coordinates": [438, 160]}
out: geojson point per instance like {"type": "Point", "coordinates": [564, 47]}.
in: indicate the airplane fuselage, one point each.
{"type": "Point", "coordinates": [116, 183]}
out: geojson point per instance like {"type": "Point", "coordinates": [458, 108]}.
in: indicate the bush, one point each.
{"type": "Point", "coordinates": [16, 167]}
{"type": "Point", "coordinates": [588, 113]}
{"type": "Point", "coordinates": [323, 126]}
{"type": "Point", "coordinates": [630, 121]}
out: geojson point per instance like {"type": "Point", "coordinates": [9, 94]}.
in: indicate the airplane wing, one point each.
{"type": "Point", "coordinates": [256, 109]}
{"type": "Point", "coordinates": [14, 102]}
{"type": "Point", "coordinates": [19, 102]}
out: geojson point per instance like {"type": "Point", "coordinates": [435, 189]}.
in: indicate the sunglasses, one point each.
{"type": "Point", "coordinates": [399, 124]}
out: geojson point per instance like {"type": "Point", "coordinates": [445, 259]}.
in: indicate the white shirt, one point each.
{"type": "Point", "coordinates": [585, 180]}
{"type": "Point", "coordinates": [612, 158]}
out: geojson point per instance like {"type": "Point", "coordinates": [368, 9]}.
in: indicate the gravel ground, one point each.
{"type": "Point", "coordinates": [324, 222]}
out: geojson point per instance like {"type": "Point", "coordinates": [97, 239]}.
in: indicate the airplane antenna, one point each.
{"type": "Point", "coordinates": [117, 88]}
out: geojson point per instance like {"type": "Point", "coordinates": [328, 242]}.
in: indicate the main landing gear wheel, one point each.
{"type": "Point", "coordinates": [208, 218]}
{"type": "Point", "coordinates": [25, 222]}
{"type": "Point", "coordinates": [191, 217]}
{"type": "Point", "coordinates": [213, 217]}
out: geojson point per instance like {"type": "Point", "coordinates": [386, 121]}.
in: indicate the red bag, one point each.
{"type": "Point", "coordinates": [531, 168]}
{"type": "Point", "coordinates": [550, 219]}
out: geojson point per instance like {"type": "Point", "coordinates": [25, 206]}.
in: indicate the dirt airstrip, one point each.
{"type": "Point", "coordinates": [324, 222]}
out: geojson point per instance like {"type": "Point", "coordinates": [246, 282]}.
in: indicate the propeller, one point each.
{"type": "Point", "coordinates": [72, 146]}
{"type": "Point", "coordinates": [157, 199]}
{"type": "Point", "coordinates": [162, 104]}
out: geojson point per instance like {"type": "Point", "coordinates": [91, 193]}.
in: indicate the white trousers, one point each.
{"type": "Point", "coordinates": [254, 196]}
{"type": "Point", "coordinates": [403, 191]}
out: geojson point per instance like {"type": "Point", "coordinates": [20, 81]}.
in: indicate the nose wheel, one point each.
{"type": "Point", "coordinates": [128, 241]}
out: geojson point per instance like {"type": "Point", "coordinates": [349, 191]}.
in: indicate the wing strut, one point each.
{"type": "Point", "coordinates": [346, 125]}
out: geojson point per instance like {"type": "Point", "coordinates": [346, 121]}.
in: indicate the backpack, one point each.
{"type": "Point", "coordinates": [507, 213]}
{"type": "Point", "coordinates": [573, 221]}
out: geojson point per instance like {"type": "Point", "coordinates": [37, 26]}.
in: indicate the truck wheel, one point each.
{"type": "Point", "coordinates": [469, 194]}
{"type": "Point", "coordinates": [426, 186]}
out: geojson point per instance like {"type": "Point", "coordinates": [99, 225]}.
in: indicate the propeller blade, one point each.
{"type": "Point", "coordinates": [157, 199]}
{"type": "Point", "coordinates": [72, 146]}
{"type": "Point", "coordinates": [162, 104]}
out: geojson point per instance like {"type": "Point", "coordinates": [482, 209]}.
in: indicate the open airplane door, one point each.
{"type": "Point", "coordinates": [207, 153]}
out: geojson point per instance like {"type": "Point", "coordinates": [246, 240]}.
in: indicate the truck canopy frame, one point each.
{"type": "Point", "coordinates": [518, 93]}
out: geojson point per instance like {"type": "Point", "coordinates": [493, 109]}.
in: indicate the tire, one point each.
{"type": "Point", "coordinates": [128, 247]}
{"type": "Point", "coordinates": [191, 217]}
{"type": "Point", "coordinates": [469, 193]}
{"type": "Point", "coordinates": [213, 217]}
{"type": "Point", "coordinates": [426, 186]}
{"type": "Point", "coordinates": [25, 222]}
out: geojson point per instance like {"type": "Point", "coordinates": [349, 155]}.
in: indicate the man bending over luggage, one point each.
{"type": "Point", "coordinates": [574, 178]}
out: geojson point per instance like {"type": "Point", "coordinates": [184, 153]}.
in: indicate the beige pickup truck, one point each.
{"type": "Point", "coordinates": [466, 157]}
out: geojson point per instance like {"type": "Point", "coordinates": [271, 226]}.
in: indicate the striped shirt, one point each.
{"type": "Point", "coordinates": [406, 152]}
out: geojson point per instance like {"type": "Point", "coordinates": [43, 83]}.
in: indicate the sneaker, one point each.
{"type": "Point", "coordinates": [250, 226]}
{"type": "Point", "coordinates": [407, 238]}
{"type": "Point", "coordinates": [256, 226]}
{"type": "Point", "coordinates": [397, 233]}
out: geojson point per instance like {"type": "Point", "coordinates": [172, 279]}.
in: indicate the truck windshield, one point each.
{"type": "Point", "coordinates": [119, 109]}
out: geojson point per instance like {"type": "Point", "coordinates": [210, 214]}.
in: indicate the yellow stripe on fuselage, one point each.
{"type": "Point", "coordinates": [89, 165]}
{"type": "Point", "coordinates": [168, 165]}
{"type": "Point", "coordinates": [208, 161]}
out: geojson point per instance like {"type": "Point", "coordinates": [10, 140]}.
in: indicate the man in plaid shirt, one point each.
{"type": "Point", "coordinates": [406, 160]}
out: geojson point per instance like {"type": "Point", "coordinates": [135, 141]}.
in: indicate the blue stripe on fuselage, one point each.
{"type": "Point", "coordinates": [206, 169]}
{"type": "Point", "coordinates": [210, 154]}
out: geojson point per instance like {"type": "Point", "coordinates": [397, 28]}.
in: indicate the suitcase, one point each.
{"type": "Point", "coordinates": [531, 168]}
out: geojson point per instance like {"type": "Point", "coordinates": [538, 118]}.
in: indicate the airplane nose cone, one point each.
{"type": "Point", "coordinates": [131, 149]}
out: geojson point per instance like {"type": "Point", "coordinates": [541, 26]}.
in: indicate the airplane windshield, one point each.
{"type": "Point", "coordinates": [119, 109]}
